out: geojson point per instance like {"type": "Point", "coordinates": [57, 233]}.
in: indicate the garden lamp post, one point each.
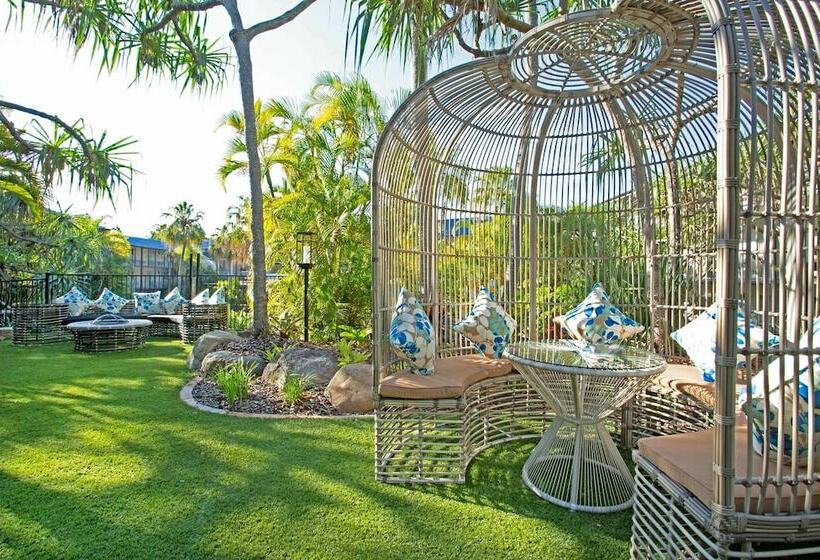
{"type": "Point", "coordinates": [305, 238]}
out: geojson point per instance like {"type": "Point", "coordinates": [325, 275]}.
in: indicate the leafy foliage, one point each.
{"type": "Point", "coordinates": [234, 381]}
{"type": "Point", "coordinates": [323, 150]}
{"type": "Point", "coordinates": [239, 320]}
{"type": "Point", "coordinates": [294, 388]}
{"type": "Point", "coordinates": [182, 231]}
{"type": "Point", "coordinates": [349, 354]}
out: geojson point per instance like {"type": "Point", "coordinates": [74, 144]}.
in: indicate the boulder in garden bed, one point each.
{"type": "Point", "coordinates": [318, 365]}
{"type": "Point", "coordinates": [221, 359]}
{"type": "Point", "coordinates": [351, 389]}
{"type": "Point", "coordinates": [206, 344]}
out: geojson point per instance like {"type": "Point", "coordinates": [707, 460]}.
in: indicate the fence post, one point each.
{"type": "Point", "coordinates": [197, 272]}
{"type": "Point", "coordinates": [47, 288]}
{"type": "Point", "coordinates": [191, 276]}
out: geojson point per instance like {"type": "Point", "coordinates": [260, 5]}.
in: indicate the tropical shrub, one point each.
{"type": "Point", "coordinates": [239, 320]}
{"type": "Point", "coordinates": [294, 388]}
{"type": "Point", "coordinates": [348, 354]}
{"type": "Point", "coordinates": [234, 381]}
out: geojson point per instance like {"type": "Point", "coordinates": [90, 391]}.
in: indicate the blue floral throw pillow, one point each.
{"type": "Point", "coordinates": [109, 302]}
{"type": "Point", "coordinates": [201, 298]}
{"type": "Point", "coordinates": [697, 338]}
{"type": "Point", "coordinates": [487, 326]}
{"type": "Point", "coordinates": [411, 334]}
{"type": "Point", "coordinates": [172, 302]}
{"type": "Point", "coordinates": [596, 321]}
{"type": "Point", "coordinates": [218, 297]}
{"type": "Point", "coordinates": [77, 301]}
{"type": "Point", "coordinates": [808, 371]}
{"type": "Point", "coordinates": [148, 303]}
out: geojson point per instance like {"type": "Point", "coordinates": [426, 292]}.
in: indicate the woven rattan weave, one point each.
{"type": "Point", "coordinates": [200, 319]}
{"type": "Point", "coordinates": [38, 324]}
{"type": "Point", "coordinates": [109, 333]}
{"type": "Point", "coordinates": [667, 148]}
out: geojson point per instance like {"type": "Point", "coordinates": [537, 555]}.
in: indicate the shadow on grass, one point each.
{"type": "Point", "coordinates": [100, 459]}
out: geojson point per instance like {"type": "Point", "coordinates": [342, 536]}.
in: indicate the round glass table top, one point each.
{"type": "Point", "coordinates": [570, 356]}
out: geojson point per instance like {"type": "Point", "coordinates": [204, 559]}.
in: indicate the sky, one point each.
{"type": "Point", "coordinates": [179, 145]}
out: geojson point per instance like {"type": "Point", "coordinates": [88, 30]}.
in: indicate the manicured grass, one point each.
{"type": "Point", "coordinates": [100, 459]}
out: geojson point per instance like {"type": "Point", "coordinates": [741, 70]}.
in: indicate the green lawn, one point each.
{"type": "Point", "coordinates": [100, 459]}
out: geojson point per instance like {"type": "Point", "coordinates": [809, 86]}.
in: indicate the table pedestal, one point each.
{"type": "Point", "coordinates": [576, 465]}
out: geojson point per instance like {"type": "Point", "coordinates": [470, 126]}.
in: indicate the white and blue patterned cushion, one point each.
{"type": "Point", "coordinates": [596, 321]}
{"type": "Point", "coordinates": [201, 298]}
{"type": "Point", "coordinates": [753, 404]}
{"type": "Point", "coordinates": [109, 302]}
{"type": "Point", "coordinates": [218, 297]}
{"type": "Point", "coordinates": [697, 338]}
{"type": "Point", "coordinates": [487, 326]}
{"type": "Point", "coordinates": [411, 334]}
{"type": "Point", "coordinates": [148, 303]}
{"type": "Point", "coordinates": [173, 301]}
{"type": "Point", "coordinates": [77, 301]}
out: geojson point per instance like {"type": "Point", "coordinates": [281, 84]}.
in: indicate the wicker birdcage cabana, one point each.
{"type": "Point", "coordinates": [667, 148]}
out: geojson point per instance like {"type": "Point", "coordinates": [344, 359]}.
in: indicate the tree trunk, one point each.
{"type": "Point", "coordinates": [241, 45]}
{"type": "Point", "coordinates": [419, 47]}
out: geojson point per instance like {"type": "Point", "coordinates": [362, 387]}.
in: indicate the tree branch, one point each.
{"type": "Point", "coordinates": [25, 238]}
{"type": "Point", "coordinates": [476, 51]}
{"type": "Point", "coordinates": [174, 12]}
{"type": "Point", "coordinates": [278, 21]}
{"type": "Point", "coordinates": [15, 133]}
{"type": "Point", "coordinates": [501, 16]}
{"type": "Point", "coordinates": [81, 140]}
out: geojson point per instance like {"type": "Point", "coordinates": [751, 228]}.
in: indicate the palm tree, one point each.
{"type": "Point", "coordinates": [232, 239]}
{"type": "Point", "coordinates": [183, 232]}
{"type": "Point", "coordinates": [274, 119]}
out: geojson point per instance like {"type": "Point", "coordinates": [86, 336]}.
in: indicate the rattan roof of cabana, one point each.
{"type": "Point", "coordinates": [547, 108]}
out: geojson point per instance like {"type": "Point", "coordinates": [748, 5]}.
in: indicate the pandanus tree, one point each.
{"type": "Point", "coordinates": [38, 152]}
{"type": "Point", "coordinates": [168, 38]}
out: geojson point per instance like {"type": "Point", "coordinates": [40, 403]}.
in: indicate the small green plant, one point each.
{"type": "Point", "coordinates": [240, 320]}
{"type": "Point", "coordinates": [272, 354]}
{"type": "Point", "coordinates": [358, 337]}
{"type": "Point", "coordinates": [294, 388]}
{"type": "Point", "coordinates": [234, 381]}
{"type": "Point", "coordinates": [349, 354]}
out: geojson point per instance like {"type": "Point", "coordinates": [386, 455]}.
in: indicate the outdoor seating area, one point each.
{"type": "Point", "coordinates": [582, 164]}
{"type": "Point", "coordinates": [594, 309]}
{"type": "Point", "coordinates": [74, 313]}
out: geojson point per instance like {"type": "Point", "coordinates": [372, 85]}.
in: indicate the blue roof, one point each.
{"type": "Point", "coordinates": [147, 243]}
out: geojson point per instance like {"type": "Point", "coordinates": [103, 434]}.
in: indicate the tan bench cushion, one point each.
{"type": "Point", "coordinates": [688, 380]}
{"type": "Point", "coordinates": [687, 459]}
{"type": "Point", "coordinates": [451, 378]}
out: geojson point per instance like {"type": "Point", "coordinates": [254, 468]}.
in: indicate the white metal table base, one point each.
{"type": "Point", "coordinates": [577, 466]}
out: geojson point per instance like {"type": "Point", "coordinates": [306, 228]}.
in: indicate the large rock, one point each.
{"type": "Point", "coordinates": [205, 344]}
{"type": "Point", "coordinates": [351, 389]}
{"type": "Point", "coordinates": [221, 359]}
{"type": "Point", "coordinates": [316, 365]}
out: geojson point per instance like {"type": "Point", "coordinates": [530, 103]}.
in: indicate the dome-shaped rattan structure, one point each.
{"type": "Point", "coordinates": [667, 148]}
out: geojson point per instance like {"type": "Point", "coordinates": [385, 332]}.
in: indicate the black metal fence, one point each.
{"type": "Point", "coordinates": [43, 288]}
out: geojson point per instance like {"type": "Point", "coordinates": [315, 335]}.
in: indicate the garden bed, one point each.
{"type": "Point", "coordinates": [264, 398]}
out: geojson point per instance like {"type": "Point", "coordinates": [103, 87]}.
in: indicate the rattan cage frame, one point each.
{"type": "Point", "coordinates": [715, 108]}
{"type": "Point", "coordinates": [199, 319]}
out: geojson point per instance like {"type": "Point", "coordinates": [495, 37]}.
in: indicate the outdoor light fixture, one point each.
{"type": "Point", "coordinates": [305, 238]}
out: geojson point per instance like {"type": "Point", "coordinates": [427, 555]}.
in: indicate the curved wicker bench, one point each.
{"type": "Point", "coordinates": [38, 323]}
{"type": "Point", "coordinates": [428, 429]}
{"type": "Point", "coordinates": [198, 319]}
